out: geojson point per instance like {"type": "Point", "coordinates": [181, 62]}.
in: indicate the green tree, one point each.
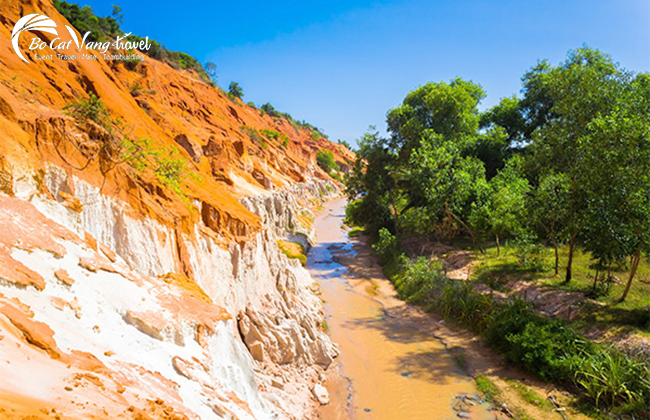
{"type": "Point", "coordinates": [549, 209]}
{"type": "Point", "coordinates": [500, 206]}
{"type": "Point", "coordinates": [616, 175]}
{"type": "Point", "coordinates": [211, 69]}
{"type": "Point", "coordinates": [117, 14]}
{"type": "Point", "coordinates": [444, 182]}
{"type": "Point", "coordinates": [269, 109]}
{"type": "Point", "coordinates": [371, 185]}
{"type": "Point", "coordinates": [235, 90]}
{"type": "Point", "coordinates": [345, 144]}
{"type": "Point", "coordinates": [434, 136]}
{"type": "Point", "coordinates": [508, 115]}
{"type": "Point", "coordinates": [492, 148]}
{"type": "Point", "coordinates": [449, 110]}
{"type": "Point", "coordinates": [537, 103]}
{"type": "Point", "coordinates": [562, 102]}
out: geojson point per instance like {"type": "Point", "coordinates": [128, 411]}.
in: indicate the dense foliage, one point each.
{"type": "Point", "coordinates": [568, 163]}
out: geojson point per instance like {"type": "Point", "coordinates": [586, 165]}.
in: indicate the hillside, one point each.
{"type": "Point", "coordinates": [172, 108]}
{"type": "Point", "coordinates": [139, 271]}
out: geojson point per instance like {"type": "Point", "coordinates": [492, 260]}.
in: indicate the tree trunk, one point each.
{"type": "Point", "coordinates": [394, 211]}
{"type": "Point", "coordinates": [634, 264]}
{"type": "Point", "coordinates": [572, 242]}
{"type": "Point", "coordinates": [595, 280]}
{"type": "Point", "coordinates": [498, 245]}
{"type": "Point", "coordinates": [609, 271]}
{"type": "Point", "coordinates": [557, 257]}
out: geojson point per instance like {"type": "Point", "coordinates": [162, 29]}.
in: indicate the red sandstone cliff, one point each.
{"type": "Point", "coordinates": [122, 296]}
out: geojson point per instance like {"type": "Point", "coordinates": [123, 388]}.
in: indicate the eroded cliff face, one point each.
{"type": "Point", "coordinates": [122, 297]}
{"type": "Point", "coordinates": [96, 321]}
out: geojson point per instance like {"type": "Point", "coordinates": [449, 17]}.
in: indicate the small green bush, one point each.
{"type": "Point", "coordinates": [89, 109]}
{"type": "Point", "coordinates": [271, 134]}
{"type": "Point", "coordinates": [546, 348]}
{"type": "Point", "coordinates": [337, 177]}
{"type": "Point", "coordinates": [169, 169]}
{"type": "Point", "coordinates": [293, 250]}
{"type": "Point", "coordinates": [325, 159]}
{"type": "Point", "coordinates": [530, 252]}
{"type": "Point", "coordinates": [387, 247]}
{"type": "Point", "coordinates": [420, 281]}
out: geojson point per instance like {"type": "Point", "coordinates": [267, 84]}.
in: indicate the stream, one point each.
{"type": "Point", "coordinates": [386, 369]}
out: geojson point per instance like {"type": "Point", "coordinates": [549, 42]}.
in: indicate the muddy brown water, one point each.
{"type": "Point", "coordinates": [385, 370]}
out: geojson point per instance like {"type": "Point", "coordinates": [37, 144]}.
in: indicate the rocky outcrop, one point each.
{"type": "Point", "coordinates": [241, 329]}
{"type": "Point", "coordinates": [160, 298]}
{"type": "Point", "coordinates": [290, 331]}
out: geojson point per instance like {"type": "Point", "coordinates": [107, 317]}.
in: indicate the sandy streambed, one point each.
{"type": "Point", "coordinates": [390, 367]}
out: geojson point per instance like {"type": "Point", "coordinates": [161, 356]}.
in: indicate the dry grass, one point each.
{"type": "Point", "coordinates": [293, 250]}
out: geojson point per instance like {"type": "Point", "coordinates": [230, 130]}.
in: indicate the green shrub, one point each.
{"type": "Point", "coordinates": [354, 213]}
{"type": "Point", "coordinates": [420, 280]}
{"type": "Point", "coordinates": [610, 378]}
{"type": "Point", "coordinates": [267, 108]}
{"type": "Point", "coordinates": [89, 109]}
{"type": "Point", "coordinates": [169, 168]}
{"type": "Point", "coordinates": [387, 247]}
{"type": "Point", "coordinates": [355, 231]}
{"type": "Point", "coordinates": [459, 300]}
{"type": "Point", "coordinates": [345, 144]}
{"type": "Point", "coordinates": [325, 159]}
{"type": "Point", "coordinates": [512, 318]}
{"type": "Point", "coordinates": [530, 252]}
{"type": "Point", "coordinates": [337, 177]}
{"type": "Point", "coordinates": [547, 348]}
{"type": "Point", "coordinates": [271, 134]}
{"type": "Point", "coordinates": [132, 63]}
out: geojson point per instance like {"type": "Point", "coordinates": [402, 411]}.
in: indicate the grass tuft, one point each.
{"type": "Point", "coordinates": [293, 250]}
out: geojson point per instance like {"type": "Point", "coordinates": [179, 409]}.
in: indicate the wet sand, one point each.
{"type": "Point", "coordinates": [391, 366]}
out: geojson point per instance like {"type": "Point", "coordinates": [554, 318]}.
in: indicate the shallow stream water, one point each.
{"type": "Point", "coordinates": [387, 370]}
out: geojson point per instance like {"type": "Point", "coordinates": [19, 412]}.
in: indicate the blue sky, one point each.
{"type": "Point", "coordinates": [341, 65]}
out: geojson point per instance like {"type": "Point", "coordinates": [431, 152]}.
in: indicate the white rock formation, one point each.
{"type": "Point", "coordinates": [261, 362]}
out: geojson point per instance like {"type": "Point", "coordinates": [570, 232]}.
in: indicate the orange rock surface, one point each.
{"type": "Point", "coordinates": [222, 162]}
{"type": "Point", "coordinates": [172, 108]}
